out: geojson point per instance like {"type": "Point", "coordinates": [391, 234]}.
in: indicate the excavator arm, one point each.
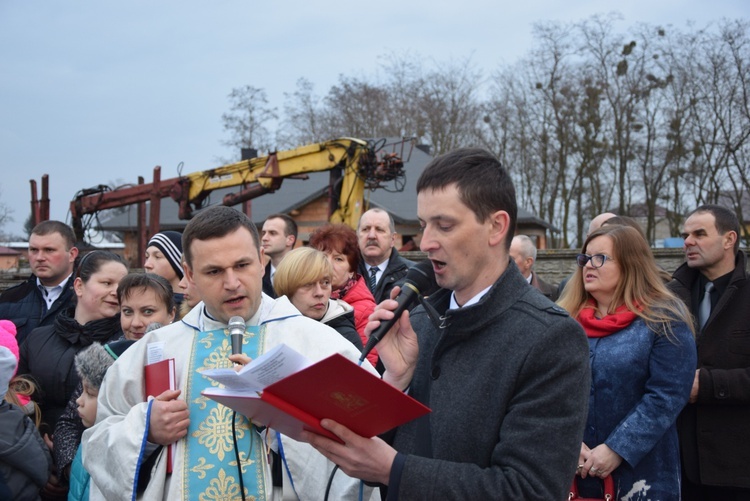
{"type": "Point", "coordinates": [357, 163]}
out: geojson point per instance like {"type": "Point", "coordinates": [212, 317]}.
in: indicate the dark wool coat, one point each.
{"type": "Point", "coordinates": [27, 309]}
{"type": "Point", "coordinates": [715, 431]}
{"type": "Point", "coordinates": [507, 380]}
{"type": "Point", "coordinates": [393, 275]}
{"type": "Point", "coordinates": [25, 462]}
{"type": "Point", "coordinates": [548, 290]}
{"type": "Point", "coordinates": [640, 382]}
{"type": "Point", "coordinates": [47, 355]}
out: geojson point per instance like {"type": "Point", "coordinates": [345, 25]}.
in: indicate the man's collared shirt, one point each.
{"type": "Point", "coordinates": [50, 294]}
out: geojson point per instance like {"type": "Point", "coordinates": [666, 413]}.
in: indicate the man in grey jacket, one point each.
{"type": "Point", "coordinates": [504, 371]}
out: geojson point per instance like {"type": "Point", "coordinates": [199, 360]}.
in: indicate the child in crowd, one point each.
{"type": "Point", "coordinates": [91, 365]}
{"type": "Point", "coordinates": [25, 461]}
{"type": "Point", "coordinates": [20, 388]}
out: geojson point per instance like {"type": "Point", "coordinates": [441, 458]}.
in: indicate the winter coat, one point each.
{"type": "Point", "coordinates": [80, 479]}
{"type": "Point", "coordinates": [549, 290]}
{"type": "Point", "coordinates": [47, 355]}
{"type": "Point", "coordinates": [25, 306]}
{"type": "Point", "coordinates": [714, 431]}
{"type": "Point", "coordinates": [640, 381]}
{"type": "Point", "coordinates": [340, 316]}
{"type": "Point", "coordinates": [25, 462]}
{"type": "Point", "coordinates": [393, 275]}
{"type": "Point", "coordinates": [360, 298]}
{"type": "Point", "coordinates": [507, 380]}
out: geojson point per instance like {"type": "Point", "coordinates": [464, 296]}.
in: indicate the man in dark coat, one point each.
{"type": "Point", "coordinates": [714, 430]}
{"type": "Point", "coordinates": [504, 371]}
{"type": "Point", "coordinates": [377, 234]}
{"type": "Point", "coordinates": [523, 252]}
{"type": "Point", "coordinates": [48, 291]}
{"type": "Point", "coordinates": [278, 237]}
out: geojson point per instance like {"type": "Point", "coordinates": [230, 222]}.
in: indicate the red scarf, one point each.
{"type": "Point", "coordinates": [343, 291]}
{"type": "Point", "coordinates": [600, 327]}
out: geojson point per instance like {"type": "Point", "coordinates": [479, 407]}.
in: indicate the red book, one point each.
{"type": "Point", "coordinates": [333, 388]}
{"type": "Point", "coordinates": [160, 377]}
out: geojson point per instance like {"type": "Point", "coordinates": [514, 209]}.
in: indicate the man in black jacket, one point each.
{"type": "Point", "coordinates": [278, 237]}
{"type": "Point", "coordinates": [381, 265]}
{"type": "Point", "coordinates": [36, 302]}
{"type": "Point", "coordinates": [713, 427]}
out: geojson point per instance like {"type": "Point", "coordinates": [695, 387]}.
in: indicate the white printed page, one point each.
{"type": "Point", "coordinates": [274, 365]}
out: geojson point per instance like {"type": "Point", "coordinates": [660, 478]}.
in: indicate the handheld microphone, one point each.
{"type": "Point", "coordinates": [420, 279]}
{"type": "Point", "coordinates": [236, 332]}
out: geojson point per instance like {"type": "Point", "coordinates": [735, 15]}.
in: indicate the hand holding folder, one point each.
{"type": "Point", "coordinates": [283, 391]}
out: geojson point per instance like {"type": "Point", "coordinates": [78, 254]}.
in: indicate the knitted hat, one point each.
{"type": "Point", "coordinates": [93, 362]}
{"type": "Point", "coordinates": [170, 244]}
{"type": "Point", "coordinates": [8, 339]}
{"type": "Point", "coordinates": [8, 364]}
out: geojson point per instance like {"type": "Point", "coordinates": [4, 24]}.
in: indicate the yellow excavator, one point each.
{"type": "Point", "coordinates": [356, 165]}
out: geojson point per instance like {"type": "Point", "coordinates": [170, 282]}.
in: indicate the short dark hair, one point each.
{"type": "Point", "coordinates": [340, 238]}
{"type": "Point", "coordinates": [93, 261]}
{"type": "Point", "coordinates": [482, 182]}
{"type": "Point", "coordinates": [51, 226]}
{"type": "Point", "coordinates": [215, 222]}
{"type": "Point", "coordinates": [725, 220]}
{"type": "Point", "coordinates": [291, 224]}
{"type": "Point", "coordinates": [141, 281]}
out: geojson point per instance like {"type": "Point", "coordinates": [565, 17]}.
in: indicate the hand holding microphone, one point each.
{"type": "Point", "coordinates": [420, 280]}
{"type": "Point", "coordinates": [236, 333]}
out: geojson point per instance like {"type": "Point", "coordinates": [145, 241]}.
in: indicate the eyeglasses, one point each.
{"type": "Point", "coordinates": [597, 260]}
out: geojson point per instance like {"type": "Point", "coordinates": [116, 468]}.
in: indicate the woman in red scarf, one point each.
{"type": "Point", "coordinates": [339, 243]}
{"type": "Point", "coordinates": [643, 363]}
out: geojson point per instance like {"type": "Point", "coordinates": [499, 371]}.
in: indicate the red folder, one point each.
{"type": "Point", "coordinates": [333, 388]}
{"type": "Point", "coordinates": [160, 377]}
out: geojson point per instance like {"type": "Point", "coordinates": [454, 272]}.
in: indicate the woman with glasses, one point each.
{"type": "Point", "coordinates": [304, 276]}
{"type": "Point", "coordinates": [643, 362]}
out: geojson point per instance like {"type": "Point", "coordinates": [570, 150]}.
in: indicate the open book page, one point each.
{"type": "Point", "coordinates": [274, 365]}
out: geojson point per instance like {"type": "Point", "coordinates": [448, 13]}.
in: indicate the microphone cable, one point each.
{"type": "Point", "coordinates": [237, 453]}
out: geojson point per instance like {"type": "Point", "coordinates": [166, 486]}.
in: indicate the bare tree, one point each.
{"type": "Point", "coordinates": [248, 118]}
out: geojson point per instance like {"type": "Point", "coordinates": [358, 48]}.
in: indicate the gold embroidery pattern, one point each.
{"type": "Point", "coordinates": [245, 461]}
{"type": "Point", "coordinates": [224, 488]}
{"type": "Point", "coordinates": [215, 432]}
{"type": "Point", "coordinates": [202, 402]}
{"type": "Point", "coordinates": [208, 339]}
{"type": "Point", "coordinates": [201, 468]}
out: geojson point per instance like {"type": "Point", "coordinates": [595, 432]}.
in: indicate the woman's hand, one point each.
{"type": "Point", "coordinates": [582, 457]}
{"type": "Point", "coordinates": [601, 462]}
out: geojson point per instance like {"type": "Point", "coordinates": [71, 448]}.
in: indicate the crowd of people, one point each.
{"type": "Point", "coordinates": [632, 376]}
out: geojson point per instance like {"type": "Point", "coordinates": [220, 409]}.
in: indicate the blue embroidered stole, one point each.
{"type": "Point", "coordinates": [210, 471]}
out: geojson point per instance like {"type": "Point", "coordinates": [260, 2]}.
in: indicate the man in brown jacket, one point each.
{"type": "Point", "coordinates": [715, 426]}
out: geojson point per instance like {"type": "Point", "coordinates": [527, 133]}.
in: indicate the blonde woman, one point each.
{"type": "Point", "coordinates": [643, 362]}
{"type": "Point", "coordinates": [304, 277]}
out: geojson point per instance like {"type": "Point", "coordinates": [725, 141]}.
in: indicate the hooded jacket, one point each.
{"type": "Point", "coordinates": [340, 316]}
{"type": "Point", "coordinates": [25, 461]}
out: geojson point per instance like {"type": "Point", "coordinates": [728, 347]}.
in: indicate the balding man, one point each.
{"type": "Point", "coordinates": [381, 265]}
{"type": "Point", "coordinates": [523, 252]}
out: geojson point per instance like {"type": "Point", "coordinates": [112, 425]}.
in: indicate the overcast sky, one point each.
{"type": "Point", "coordinates": [94, 92]}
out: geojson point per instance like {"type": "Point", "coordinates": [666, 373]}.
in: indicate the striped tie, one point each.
{"type": "Point", "coordinates": [373, 278]}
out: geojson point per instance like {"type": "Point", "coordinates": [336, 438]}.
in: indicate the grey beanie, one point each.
{"type": "Point", "coordinates": [8, 365]}
{"type": "Point", "coordinates": [92, 363]}
{"type": "Point", "coordinates": [170, 244]}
